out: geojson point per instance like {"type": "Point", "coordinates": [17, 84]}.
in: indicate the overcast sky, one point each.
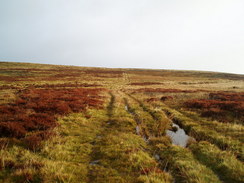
{"type": "Point", "coordinates": [160, 34]}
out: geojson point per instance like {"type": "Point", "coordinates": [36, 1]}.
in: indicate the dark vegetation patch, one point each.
{"type": "Point", "coordinates": [166, 90]}
{"type": "Point", "coordinates": [28, 70]}
{"type": "Point", "coordinates": [107, 75]}
{"type": "Point", "coordinates": [221, 106]}
{"type": "Point", "coordinates": [32, 116]}
{"type": "Point", "coordinates": [67, 74]}
{"type": "Point", "coordinates": [13, 79]}
{"type": "Point", "coordinates": [145, 83]}
{"type": "Point", "coordinates": [104, 73]}
{"type": "Point", "coordinates": [197, 83]}
{"type": "Point", "coordinates": [152, 99]}
{"type": "Point", "coordinates": [10, 164]}
{"type": "Point", "coordinates": [164, 98]}
{"type": "Point", "coordinates": [227, 96]}
{"type": "Point", "coordinates": [70, 85]}
{"type": "Point", "coordinates": [7, 87]}
{"type": "Point", "coordinates": [34, 74]}
{"type": "Point", "coordinates": [190, 74]}
{"type": "Point", "coordinates": [97, 71]}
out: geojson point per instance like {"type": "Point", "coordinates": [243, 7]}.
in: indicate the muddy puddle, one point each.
{"type": "Point", "coordinates": [179, 137]}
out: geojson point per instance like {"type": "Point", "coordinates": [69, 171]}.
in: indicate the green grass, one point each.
{"type": "Point", "coordinates": [179, 161]}
{"type": "Point", "coordinates": [234, 131]}
{"type": "Point", "coordinates": [121, 151]}
{"type": "Point", "coordinates": [183, 165]}
{"type": "Point", "coordinates": [203, 133]}
{"type": "Point", "coordinates": [157, 124]}
{"type": "Point", "coordinates": [103, 145]}
{"type": "Point", "coordinates": [63, 158]}
{"type": "Point", "coordinates": [228, 168]}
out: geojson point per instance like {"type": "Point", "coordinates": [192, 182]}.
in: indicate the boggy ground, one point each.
{"type": "Point", "coordinates": [77, 124]}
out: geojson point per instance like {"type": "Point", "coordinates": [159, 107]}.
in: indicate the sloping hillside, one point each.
{"type": "Point", "coordinates": [82, 124]}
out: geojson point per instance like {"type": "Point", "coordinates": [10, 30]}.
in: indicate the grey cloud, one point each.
{"type": "Point", "coordinates": [190, 34]}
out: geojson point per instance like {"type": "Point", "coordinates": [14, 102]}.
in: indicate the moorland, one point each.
{"type": "Point", "coordinates": [82, 124]}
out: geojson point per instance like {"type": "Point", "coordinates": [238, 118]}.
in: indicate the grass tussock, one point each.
{"type": "Point", "coordinates": [206, 134]}
{"type": "Point", "coordinates": [184, 166]}
{"type": "Point", "coordinates": [157, 125]}
{"type": "Point", "coordinates": [228, 168]}
{"type": "Point", "coordinates": [234, 131]}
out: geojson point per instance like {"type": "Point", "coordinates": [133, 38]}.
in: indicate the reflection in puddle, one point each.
{"type": "Point", "coordinates": [179, 137]}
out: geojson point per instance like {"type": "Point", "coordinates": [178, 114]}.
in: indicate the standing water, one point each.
{"type": "Point", "coordinates": [179, 137]}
